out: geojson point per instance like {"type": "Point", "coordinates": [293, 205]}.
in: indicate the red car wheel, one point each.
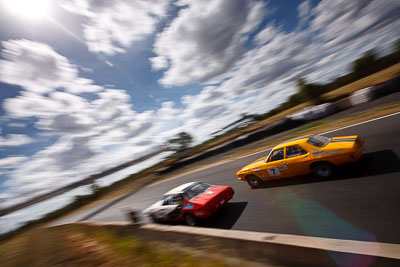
{"type": "Point", "coordinates": [190, 220]}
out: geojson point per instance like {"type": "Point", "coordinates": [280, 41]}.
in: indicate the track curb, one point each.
{"type": "Point", "coordinates": [271, 248]}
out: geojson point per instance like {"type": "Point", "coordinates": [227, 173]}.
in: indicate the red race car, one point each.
{"type": "Point", "coordinates": [189, 202]}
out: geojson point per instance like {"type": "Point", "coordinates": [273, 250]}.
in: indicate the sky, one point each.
{"type": "Point", "coordinates": [86, 85]}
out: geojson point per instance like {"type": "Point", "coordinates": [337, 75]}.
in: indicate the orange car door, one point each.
{"type": "Point", "coordinates": [275, 167]}
{"type": "Point", "coordinates": [297, 160]}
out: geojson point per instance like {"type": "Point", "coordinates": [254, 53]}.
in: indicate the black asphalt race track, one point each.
{"type": "Point", "coordinates": [361, 203]}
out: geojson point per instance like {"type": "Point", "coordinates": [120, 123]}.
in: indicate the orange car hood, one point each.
{"type": "Point", "coordinates": [256, 163]}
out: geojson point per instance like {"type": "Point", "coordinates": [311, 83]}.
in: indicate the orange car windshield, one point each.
{"type": "Point", "coordinates": [318, 140]}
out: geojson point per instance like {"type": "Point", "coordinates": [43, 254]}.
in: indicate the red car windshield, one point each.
{"type": "Point", "coordinates": [173, 199]}
{"type": "Point", "coordinates": [197, 189]}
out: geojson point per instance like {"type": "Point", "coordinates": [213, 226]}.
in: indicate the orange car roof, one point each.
{"type": "Point", "coordinates": [295, 141]}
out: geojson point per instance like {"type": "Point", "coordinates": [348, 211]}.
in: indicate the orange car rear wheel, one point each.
{"type": "Point", "coordinates": [322, 169]}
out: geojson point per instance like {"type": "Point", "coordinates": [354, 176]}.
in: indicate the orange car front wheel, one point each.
{"type": "Point", "coordinates": [253, 181]}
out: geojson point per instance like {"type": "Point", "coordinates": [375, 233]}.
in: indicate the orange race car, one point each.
{"type": "Point", "coordinates": [310, 154]}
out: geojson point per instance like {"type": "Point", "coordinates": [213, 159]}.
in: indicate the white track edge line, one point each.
{"type": "Point", "coordinates": [363, 122]}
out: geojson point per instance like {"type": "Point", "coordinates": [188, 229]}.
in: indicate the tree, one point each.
{"type": "Point", "coordinates": [396, 50]}
{"type": "Point", "coordinates": [95, 188]}
{"type": "Point", "coordinates": [396, 46]}
{"type": "Point", "coordinates": [308, 92]}
{"type": "Point", "coordinates": [182, 141]}
{"type": "Point", "coordinates": [364, 65]}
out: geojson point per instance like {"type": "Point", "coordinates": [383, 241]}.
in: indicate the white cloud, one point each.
{"type": "Point", "coordinates": [214, 108]}
{"type": "Point", "coordinates": [48, 169]}
{"type": "Point", "coordinates": [77, 151]}
{"type": "Point", "coordinates": [29, 104]}
{"type": "Point", "coordinates": [158, 63]}
{"type": "Point", "coordinates": [284, 57]}
{"type": "Point", "coordinates": [205, 40]}
{"type": "Point", "coordinates": [346, 29]}
{"type": "Point", "coordinates": [11, 162]}
{"type": "Point", "coordinates": [304, 12]}
{"type": "Point", "coordinates": [17, 125]}
{"type": "Point", "coordinates": [114, 26]}
{"type": "Point", "coordinates": [20, 67]}
{"type": "Point", "coordinates": [15, 140]}
{"type": "Point", "coordinates": [16, 219]}
{"type": "Point", "coordinates": [193, 50]}
{"type": "Point", "coordinates": [341, 24]}
{"type": "Point", "coordinates": [208, 105]}
{"type": "Point", "coordinates": [266, 35]}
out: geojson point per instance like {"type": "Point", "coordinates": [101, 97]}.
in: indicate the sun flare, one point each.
{"type": "Point", "coordinates": [30, 9]}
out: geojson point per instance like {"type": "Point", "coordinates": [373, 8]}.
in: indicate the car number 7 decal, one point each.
{"type": "Point", "coordinates": [274, 172]}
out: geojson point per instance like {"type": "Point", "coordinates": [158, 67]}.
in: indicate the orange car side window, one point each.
{"type": "Point", "coordinates": [294, 151]}
{"type": "Point", "coordinates": [276, 155]}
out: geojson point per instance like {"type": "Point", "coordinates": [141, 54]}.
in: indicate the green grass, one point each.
{"type": "Point", "coordinates": [142, 252]}
{"type": "Point", "coordinates": [309, 126]}
{"type": "Point", "coordinates": [84, 246]}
